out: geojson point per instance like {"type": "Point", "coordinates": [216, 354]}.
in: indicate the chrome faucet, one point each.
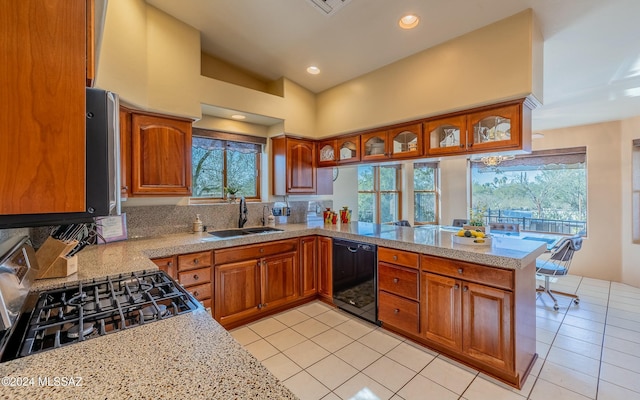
{"type": "Point", "coordinates": [243, 212]}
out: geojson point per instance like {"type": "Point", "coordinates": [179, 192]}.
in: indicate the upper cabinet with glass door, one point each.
{"type": "Point", "coordinates": [446, 135]}
{"type": "Point", "coordinates": [406, 141]}
{"type": "Point", "coordinates": [494, 129]}
{"type": "Point", "coordinates": [349, 149]}
{"type": "Point", "coordinates": [505, 127]}
{"type": "Point", "coordinates": [327, 153]}
{"type": "Point", "coordinates": [374, 146]}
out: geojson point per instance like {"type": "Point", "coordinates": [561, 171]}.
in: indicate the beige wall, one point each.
{"type": "Point", "coordinates": [299, 110]}
{"type": "Point", "coordinates": [630, 251]}
{"type": "Point", "coordinates": [216, 68]}
{"type": "Point", "coordinates": [173, 61]}
{"type": "Point", "coordinates": [122, 67]}
{"type": "Point", "coordinates": [228, 125]}
{"type": "Point", "coordinates": [485, 66]}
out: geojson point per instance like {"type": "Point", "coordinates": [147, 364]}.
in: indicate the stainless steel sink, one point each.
{"type": "Point", "coordinates": [226, 233]}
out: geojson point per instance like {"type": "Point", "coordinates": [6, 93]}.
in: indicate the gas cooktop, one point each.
{"type": "Point", "coordinates": [60, 317]}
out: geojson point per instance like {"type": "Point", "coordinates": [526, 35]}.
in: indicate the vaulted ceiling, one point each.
{"type": "Point", "coordinates": [591, 51]}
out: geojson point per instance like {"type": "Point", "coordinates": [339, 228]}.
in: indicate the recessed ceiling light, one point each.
{"type": "Point", "coordinates": [313, 70]}
{"type": "Point", "coordinates": [238, 117]}
{"type": "Point", "coordinates": [409, 21]}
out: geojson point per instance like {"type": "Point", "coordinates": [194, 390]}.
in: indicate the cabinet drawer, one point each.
{"type": "Point", "coordinates": [491, 276]}
{"type": "Point", "coordinates": [398, 257]}
{"type": "Point", "coordinates": [398, 280]}
{"type": "Point", "coordinates": [201, 292]}
{"type": "Point", "coordinates": [236, 254]}
{"type": "Point", "coordinates": [398, 312]}
{"type": "Point", "coordinates": [207, 303]}
{"type": "Point", "coordinates": [195, 276]}
{"type": "Point", "coordinates": [194, 260]}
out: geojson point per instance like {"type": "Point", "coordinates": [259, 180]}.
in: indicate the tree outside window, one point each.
{"type": "Point", "coordinates": [545, 191]}
{"type": "Point", "coordinates": [425, 195]}
{"type": "Point", "coordinates": [378, 193]}
{"type": "Point", "coordinates": [222, 163]}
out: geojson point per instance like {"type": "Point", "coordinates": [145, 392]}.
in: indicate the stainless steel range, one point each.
{"type": "Point", "coordinates": [73, 313]}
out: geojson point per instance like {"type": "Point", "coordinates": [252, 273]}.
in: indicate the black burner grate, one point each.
{"type": "Point", "coordinates": [80, 312]}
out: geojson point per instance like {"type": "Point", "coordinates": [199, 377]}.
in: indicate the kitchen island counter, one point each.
{"type": "Point", "coordinates": [191, 355]}
{"type": "Point", "coordinates": [135, 254]}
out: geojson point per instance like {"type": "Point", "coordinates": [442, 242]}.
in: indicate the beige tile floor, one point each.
{"type": "Point", "coordinates": [588, 351]}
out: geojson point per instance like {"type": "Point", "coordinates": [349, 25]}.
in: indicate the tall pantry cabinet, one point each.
{"type": "Point", "coordinates": [42, 105]}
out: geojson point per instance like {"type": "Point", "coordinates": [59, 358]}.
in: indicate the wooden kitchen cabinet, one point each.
{"type": "Point", "coordinates": [325, 268]}
{"type": "Point", "coordinates": [406, 141]}
{"type": "Point", "coordinates": [194, 271]}
{"type": "Point", "coordinates": [254, 280]}
{"type": "Point", "coordinates": [502, 127]}
{"type": "Point", "coordinates": [469, 312]}
{"type": "Point", "coordinates": [375, 146]}
{"type": "Point", "coordinates": [327, 151]}
{"type": "Point", "coordinates": [157, 161]}
{"type": "Point", "coordinates": [44, 72]}
{"type": "Point", "coordinates": [399, 290]}
{"type": "Point", "coordinates": [168, 265]}
{"type": "Point", "coordinates": [308, 265]}
{"type": "Point", "coordinates": [348, 149]}
{"type": "Point", "coordinates": [295, 170]}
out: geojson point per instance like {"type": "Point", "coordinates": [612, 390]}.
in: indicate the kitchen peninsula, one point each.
{"type": "Point", "coordinates": [193, 355]}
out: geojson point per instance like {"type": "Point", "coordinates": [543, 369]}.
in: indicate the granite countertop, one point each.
{"type": "Point", "coordinates": [191, 355]}
{"type": "Point", "coordinates": [186, 356]}
{"type": "Point", "coordinates": [135, 254]}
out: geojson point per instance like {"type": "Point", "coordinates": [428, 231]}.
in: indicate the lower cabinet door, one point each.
{"type": "Point", "coordinates": [399, 312]}
{"type": "Point", "coordinates": [325, 267]}
{"type": "Point", "coordinates": [237, 291]}
{"type": "Point", "coordinates": [441, 320]}
{"type": "Point", "coordinates": [281, 281]}
{"type": "Point", "coordinates": [487, 319]}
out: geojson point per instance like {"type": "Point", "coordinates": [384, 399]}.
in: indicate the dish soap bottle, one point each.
{"type": "Point", "coordinates": [271, 219]}
{"type": "Point", "coordinates": [197, 224]}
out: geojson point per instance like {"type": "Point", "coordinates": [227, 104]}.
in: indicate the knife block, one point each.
{"type": "Point", "coordinates": [52, 261]}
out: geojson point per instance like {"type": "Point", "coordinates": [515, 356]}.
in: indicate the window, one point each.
{"type": "Point", "coordinates": [219, 164]}
{"type": "Point", "coordinates": [378, 193]}
{"type": "Point", "coordinates": [545, 191]}
{"type": "Point", "coordinates": [425, 195]}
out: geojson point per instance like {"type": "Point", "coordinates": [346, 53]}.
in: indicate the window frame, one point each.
{"type": "Point", "coordinates": [570, 155]}
{"type": "Point", "coordinates": [377, 192]}
{"type": "Point", "coordinates": [225, 139]}
{"type": "Point", "coordinates": [435, 191]}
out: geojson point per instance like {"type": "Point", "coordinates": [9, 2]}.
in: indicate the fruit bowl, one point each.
{"type": "Point", "coordinates": [471, 241]}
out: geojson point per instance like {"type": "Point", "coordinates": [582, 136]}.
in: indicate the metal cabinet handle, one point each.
{"type": "Point", "coordinates": [259, 306]}
{"type": "Point", "coordinates": [261, 250]}
{"type": "Point", "coordinates": [196, 277]}
{"type": "Point", "coordinates": [396, 280]}
{"type": "Point", "coordinates": [396, 311]}
{"type": "Point", "coordinates": [196, 293]}
{"type": "Point", "coordinates": [460, 271]}
{"type": "Point", "coordinates": [465, 289]}
{"type": "Point", "coordinates": [195, 260]}
{"type": "Point", "coordinates": [395, 258]}
{"type": "Point", "coordinates": [170, 264]}
{"type": "Point", "coordinates": [456, 287]}
{"type": "Point", "coordinates": [470, 145]}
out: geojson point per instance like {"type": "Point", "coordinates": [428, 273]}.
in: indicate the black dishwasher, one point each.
{"type": "Point", "coordinates": [355, 278]}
